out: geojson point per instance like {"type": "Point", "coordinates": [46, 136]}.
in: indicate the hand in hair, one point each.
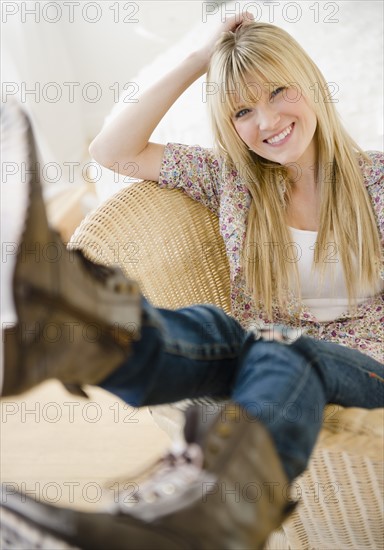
{"type": "Point", "coordinates": [230, 24]}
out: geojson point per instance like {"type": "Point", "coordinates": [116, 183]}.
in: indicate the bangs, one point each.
{"type": "Point", "coordinates": [247, 66]}
{"type": "Point", "coordinates": [243, 80]}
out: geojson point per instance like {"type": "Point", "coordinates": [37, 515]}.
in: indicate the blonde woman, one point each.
{"type": "Point", "coordinates": [308, 201]}
{"type": "Point", "coordinates": [301, 215]}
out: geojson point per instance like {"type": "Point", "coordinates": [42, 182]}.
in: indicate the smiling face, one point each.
{"type": "Point", "coordinates": [263, 100]}
{"type": "Point", "coordinates": [277, 125]}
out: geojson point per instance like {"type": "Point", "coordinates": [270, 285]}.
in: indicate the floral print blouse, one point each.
{"type": "Point", "coordinates": [204, 177]}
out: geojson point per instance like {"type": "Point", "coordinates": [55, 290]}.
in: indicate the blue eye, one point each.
{"type": "Point", "coordinates": [241, 113]}
{"type": "Point", "coordinates": [277, 91]}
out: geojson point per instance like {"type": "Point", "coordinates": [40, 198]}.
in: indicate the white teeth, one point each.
{"type": "Point", "coordinates": [281, 136]}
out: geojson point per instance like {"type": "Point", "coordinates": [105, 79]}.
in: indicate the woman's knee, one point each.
{"type": "Point", "coordinates": [214, 324]}
{"type": "Point", "coordinates": [281, 353]}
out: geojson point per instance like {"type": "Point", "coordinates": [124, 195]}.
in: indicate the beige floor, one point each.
{"type": "Point", "coordinates": [70, 451]}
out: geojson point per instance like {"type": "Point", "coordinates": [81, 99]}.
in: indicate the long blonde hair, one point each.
{"type": "Point", "coordinates": [346, 215]}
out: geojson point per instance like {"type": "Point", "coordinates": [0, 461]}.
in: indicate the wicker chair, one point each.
{"type": "Point", "coordinates": [171, 245]}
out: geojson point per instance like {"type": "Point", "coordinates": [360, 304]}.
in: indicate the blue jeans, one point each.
{"type": "Point", "coordinates": [199, 351]}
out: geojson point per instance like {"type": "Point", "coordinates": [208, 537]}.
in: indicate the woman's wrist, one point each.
{"type": "Point", "coordinates": [199, 60]}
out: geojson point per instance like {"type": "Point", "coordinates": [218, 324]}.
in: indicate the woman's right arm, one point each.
{"type": "Point", "coordinates": [125, 140]}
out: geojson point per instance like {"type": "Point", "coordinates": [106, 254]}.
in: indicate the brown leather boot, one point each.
{"type": "Point", "coordinates": [76, 320]}
{"type": "Point", "coordinates": [226, 489]}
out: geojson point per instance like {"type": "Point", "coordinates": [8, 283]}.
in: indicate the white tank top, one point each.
{"type": "Point", "coordinates": [331, 300]}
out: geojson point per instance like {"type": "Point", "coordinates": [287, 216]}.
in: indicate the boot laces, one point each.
{"type": "Point", "coordinates": [171, 474]}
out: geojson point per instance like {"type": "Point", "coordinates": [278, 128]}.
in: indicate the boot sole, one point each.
{"type": "Point", "coordinates": [65, 291]}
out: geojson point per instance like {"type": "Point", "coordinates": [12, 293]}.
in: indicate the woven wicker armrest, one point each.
{"type": "Point", "coordinates": [172, 246]}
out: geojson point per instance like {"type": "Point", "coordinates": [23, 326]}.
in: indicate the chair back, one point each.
{"type": "Point", "coordinates": [167, 242]}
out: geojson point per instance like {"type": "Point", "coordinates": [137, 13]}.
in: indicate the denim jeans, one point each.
{"type": "Point", "coordinates": [199, 351]}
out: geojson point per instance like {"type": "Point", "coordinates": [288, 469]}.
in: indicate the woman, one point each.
{"type": "Point", "coordinates": [315, 180]}
{"type": "Point", "coordinates": [284, 175]}
{"type": "Point", "coordinates": [300, 206]}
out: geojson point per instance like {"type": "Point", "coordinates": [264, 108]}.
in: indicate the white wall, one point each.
{"type": "Point", "coordinates": [52, 42]}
